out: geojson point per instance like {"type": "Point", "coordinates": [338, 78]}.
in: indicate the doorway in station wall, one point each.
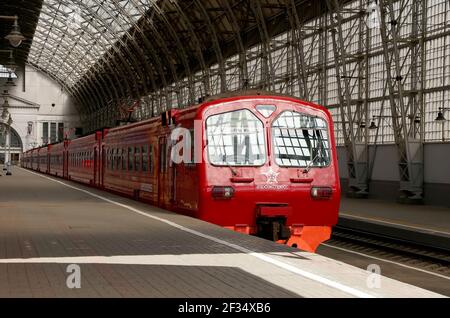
{"type": "Point", "coordinates": [15, 146]}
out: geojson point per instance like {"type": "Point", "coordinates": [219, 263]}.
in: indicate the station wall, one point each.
{"type": "Point", "coordinates": [384, 182]}
{"type": "Point", "coordinates": [37, 99]}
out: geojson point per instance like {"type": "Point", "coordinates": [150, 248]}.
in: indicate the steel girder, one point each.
{"type": "Point", "coordinates": [122, 57]}
{"type": "Point", "coordinates": [207, 16]}
{"type": "Point", "coordinates": [240, 48]}
{"type": "Point", "coordinates": [125, 50]}
{"type": "Point", "coordinates": [406, 100]}
{"type": "Point", "coordinates": [352, 88]}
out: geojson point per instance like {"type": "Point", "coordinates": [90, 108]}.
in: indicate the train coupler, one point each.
{"type": "Point", "coordinates": [273, 228]}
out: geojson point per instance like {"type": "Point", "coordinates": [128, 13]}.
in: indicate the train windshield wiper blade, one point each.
{"type": "Point", "coordinates": [233, 172]}
{"type": "Point", "coordinates": [313, 160]}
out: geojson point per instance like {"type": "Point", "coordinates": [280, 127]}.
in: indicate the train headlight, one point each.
{"type": "Point", "coordinates": [222, 193]}
{"type": "Point", "coordinates": [321, 193]}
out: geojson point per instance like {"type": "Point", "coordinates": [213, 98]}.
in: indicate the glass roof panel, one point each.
{"type": "Point", "coordinates": [6, 72]}
{"type": "Point", "coordinates": [72, 35]}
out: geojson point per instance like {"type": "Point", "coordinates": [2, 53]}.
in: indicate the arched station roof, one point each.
{"type": "Point", "coordinates": [107, 51]}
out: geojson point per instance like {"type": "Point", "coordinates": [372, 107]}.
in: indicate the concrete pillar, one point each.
{"type": "Point", "coordinates": [7, 145]}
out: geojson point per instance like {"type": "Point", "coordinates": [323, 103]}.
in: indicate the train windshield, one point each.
{"type": "Point", "coordinates": [236, 138]}
{"type": "Point", "coordinates": [300, 140]}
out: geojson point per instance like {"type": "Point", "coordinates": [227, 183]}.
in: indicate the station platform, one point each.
{"type": "Point", "coordinates": [418, 218]}
{"type": "Point", "coordinates": [125, 248]}
{"type": "Point", "coordinates": [422, 225]}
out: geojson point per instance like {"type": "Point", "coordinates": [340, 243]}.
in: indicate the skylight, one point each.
{"type": "Point", "coordinates": [72, 35]}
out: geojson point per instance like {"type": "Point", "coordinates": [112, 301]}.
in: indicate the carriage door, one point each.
{"type": "Point", "coordinates": [65, 163]}
{"type": "Point", "coordinates": [162, 171]}
{"type": "Point", "coordinates": [102, 167]}
{"type": "Point", "coordinates": [96, 179]}
{"type": "Point", "coordinates": [48, 162]}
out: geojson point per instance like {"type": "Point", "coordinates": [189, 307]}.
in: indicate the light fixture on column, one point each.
{"type": "Point", "coordinates": [8, 165]}
{"type": "Point", "coordinates": [5, 114]}
{"type": "Point", "coordinates": [15, 37]}
{"type": "Point", "coordinates": [10, 81]}
{"type": "Point", "coordinates": [5, 111]}
{"type": "Point", "coordinates": [373, 126]}
{"type": "Point", "coordinates": [11, 63]}
{"type": "Point", "coordinates": [5, 103]}
{"type": "Point", "coordinates": [440, 117]}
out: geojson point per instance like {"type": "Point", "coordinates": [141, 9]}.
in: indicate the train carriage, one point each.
{"type": "Point", "coordinates": [129, 164]}
{"type": "Point", "coordinates": [43, 159]}
{"type": "Point", "coordinates": [137, 163]}
{"type": "Point", "coordinates": [34, 159]}
{"type": "Point", "coordinates": [262, 165]}
{"type": "Point", "coordinates": [57, 155]}
{"type": "Point", "coordinates": [83, 159]}
{"type": "Point", "coordinates": [25, 161]}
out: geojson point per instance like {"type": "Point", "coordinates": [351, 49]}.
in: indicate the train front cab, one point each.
{"type": "Point", "coordinates": [270, 169]}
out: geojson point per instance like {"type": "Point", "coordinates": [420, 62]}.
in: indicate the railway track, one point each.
{"type": "Point", "coordinates": [399, 250]}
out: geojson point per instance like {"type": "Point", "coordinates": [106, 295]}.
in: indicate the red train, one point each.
{"type": "Point", "coordinates": [260, 164]}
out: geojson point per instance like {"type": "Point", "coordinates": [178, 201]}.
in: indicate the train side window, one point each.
{"type": "Point", "coordinates": [150, 156]}
{"type": "Point", "coordinates": [113, 159]}
{"type": "Point", "coordinates": [162, 157]}
{"type": "Point", "coordinates": [108, 159]}
{"type": "Point", "coordinates": [130, 159]}
{"type": "Point", "coordinates": [144, 158]}
{"type": "Point", "coordinates": [192, 163]}
{"type": "Point", "coordinates": [119, 159]}
{"type": "Point", "coordinates": [124, 159]}
{"type": "Point", "coordinates": [137, 155]}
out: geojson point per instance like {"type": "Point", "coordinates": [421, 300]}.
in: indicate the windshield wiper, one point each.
{"type": "Point", "coordinates": [313, 160]}
{"type": "Point", "coordinates": [233, 172]}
